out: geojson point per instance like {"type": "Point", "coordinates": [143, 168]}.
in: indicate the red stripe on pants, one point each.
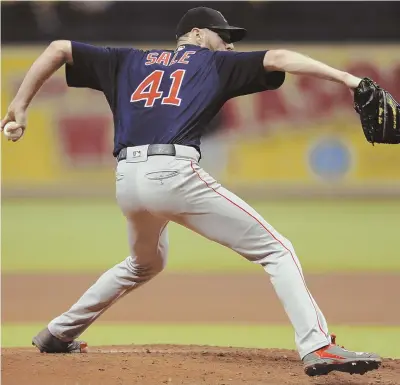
{"type": "Point", "coordinates": [272, 235]}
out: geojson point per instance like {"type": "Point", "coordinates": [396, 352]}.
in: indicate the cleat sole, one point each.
{"type": "Point", "coordinates": [351, 367]}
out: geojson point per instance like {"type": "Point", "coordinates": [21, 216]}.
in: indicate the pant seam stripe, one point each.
{"type": "Point", "coordinates": [273, 236]}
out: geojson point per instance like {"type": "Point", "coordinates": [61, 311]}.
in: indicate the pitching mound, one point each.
{"type": "Point", "coordinates": [166, 364]}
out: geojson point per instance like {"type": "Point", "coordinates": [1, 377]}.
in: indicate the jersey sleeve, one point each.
{"type": "Point", "coordinates": [94, 67]}
{"type": "Point", "coordinates": [243, 73]}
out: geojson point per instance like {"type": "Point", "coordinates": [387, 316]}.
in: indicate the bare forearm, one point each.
{"type": "Point", "coordinates": [56, 54]}
{"type": "Point", "coordinates": [298, 64]}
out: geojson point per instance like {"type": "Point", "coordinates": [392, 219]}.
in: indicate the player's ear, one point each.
{"type": "Point", "coordinates": [203, 38]}
{"type": "Point", "coordinates": [197, 35]}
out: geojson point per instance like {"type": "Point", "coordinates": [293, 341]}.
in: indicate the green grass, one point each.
{"type": "Point", "coordinates": [82, 236]}
{"type": "Point", "coordinates": [378, 339]}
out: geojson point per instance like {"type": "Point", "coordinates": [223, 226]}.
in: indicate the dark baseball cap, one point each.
{"type": "Point", "coordinates": [203, 17]}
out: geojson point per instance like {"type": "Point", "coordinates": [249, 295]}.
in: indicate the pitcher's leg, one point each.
{"type": "Point", "coordinates": [148, 241]}
{"type": "Point", "coordinates": [221, 216]}
{"type": "Point", "coordinates": [302, 340]}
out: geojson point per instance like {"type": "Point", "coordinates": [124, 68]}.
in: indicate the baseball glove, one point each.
{"type": "Point", "coordinates": [379, 113]}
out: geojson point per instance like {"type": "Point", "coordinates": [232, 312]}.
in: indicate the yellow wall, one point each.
{"type": "Point", "coordinates": [271, 134]}
{"type": "Point", "coordinates": [279, 148]}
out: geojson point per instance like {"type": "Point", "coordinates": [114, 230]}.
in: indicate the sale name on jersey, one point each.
{"type": "Point", "coordinates": [165, 58]}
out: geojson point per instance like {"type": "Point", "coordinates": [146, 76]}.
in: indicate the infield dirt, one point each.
{"type": "Point", "coordinates": [172, 298]}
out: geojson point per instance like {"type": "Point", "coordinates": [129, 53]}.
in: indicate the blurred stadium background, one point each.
{"type": "Point", "coordinates": [298, 154]}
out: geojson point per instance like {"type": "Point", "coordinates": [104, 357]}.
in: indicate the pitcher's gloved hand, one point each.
{"type": "Point", "coordinates": [379, 113]}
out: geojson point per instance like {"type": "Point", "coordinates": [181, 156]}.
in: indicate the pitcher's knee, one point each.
{"type": "Point", "coordinates": [287, 244]}
{"type": "Point", "coordinates": [147, 270]}
{"type": "Point", "coordinates": [158, 266]}
{"type": "Point", "coordinates": [270, 252]}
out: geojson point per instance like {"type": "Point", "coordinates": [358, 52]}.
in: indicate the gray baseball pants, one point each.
{"type": "Point", "coordinates": [153, 190]}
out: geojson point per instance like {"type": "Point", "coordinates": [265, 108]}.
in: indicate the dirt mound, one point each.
{"type": "Point", "coordinates": [167, 364]}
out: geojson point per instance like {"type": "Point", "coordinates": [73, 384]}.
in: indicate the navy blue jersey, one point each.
{"type": "Point", "coordinates": [165, 96]}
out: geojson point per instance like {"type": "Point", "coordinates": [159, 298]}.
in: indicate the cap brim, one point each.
{"type": "Point", "coordinates": [236, 33]}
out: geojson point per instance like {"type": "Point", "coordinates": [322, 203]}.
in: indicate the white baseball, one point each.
{"type": "Point", "coordinates": [11, 132]}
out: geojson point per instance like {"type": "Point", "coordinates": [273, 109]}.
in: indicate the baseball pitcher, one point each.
{"type": "Point", "coordinates": [162, 102]}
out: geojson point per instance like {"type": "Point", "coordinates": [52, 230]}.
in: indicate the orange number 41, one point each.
{"type": "Point", "coordinates": [149, 89]}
